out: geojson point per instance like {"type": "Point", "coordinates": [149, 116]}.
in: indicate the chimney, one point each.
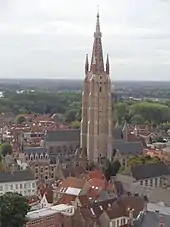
{"type": "Point", "coordinates": [145, 208]}
{"type": "Point", "coordinates": [12, 169]}
{"type": "Point", "coordinates": [161, 221]}
{"type": "Point", "coordinates": [130, 211]}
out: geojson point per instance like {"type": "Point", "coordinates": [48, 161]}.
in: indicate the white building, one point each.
{"type": "Point", "coordinates": [21, 181]}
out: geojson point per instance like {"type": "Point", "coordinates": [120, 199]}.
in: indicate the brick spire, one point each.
{"type": "Point", "coordinates": [97, 53]}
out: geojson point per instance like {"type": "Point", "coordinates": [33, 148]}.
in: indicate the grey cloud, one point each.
{"type": "Point", "coordinates": [50, 38]}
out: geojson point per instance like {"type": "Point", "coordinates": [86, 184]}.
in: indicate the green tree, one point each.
{"type": "Point", "coordinates": [121, 111]}
{"type": "Point", "coordinates": [13, 209]}
{"type": "Point", "coordinates": [5, 149]}
{"type": "Point", "coordinates": [138, 160]}
{"type": "Point", "coordinates": [111, 168]}
{"type": "Point", "coordinates": [165, 126]}
{"type": "Point", "coordinates": [137, 119]}
{"type": "Point", "coordinates": [70, 115]}
{"type": "Point", "coordinates": [20, 119]}
{"type": "Point", "coordinates": [1, 163]}
{"type": "Point", "coordinates": [75, 124]}
{"type": "Point", "coordinates": [151, 112]}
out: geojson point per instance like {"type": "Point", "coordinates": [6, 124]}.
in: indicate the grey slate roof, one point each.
{"type": "Point", "coordinates": [117, 134]}
{"type": "Point", "coordinates": [149, 170]}
{"type": "Point", "coordinates": [136, 189]}
{"type": "Point", "coordinates": [34, 150]}
{"type": "Point", "coordinates": [63, 135]}
{"type": "Point", "coordinates": [20, 175]}
{"type": "Point", "coordinates": [126, 148]}
{"type": "Point", "coordinates": [160, 195]}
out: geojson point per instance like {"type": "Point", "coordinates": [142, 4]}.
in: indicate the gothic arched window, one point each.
{"type": "Point", "coordinates": [58, 149]}
{"type": "Point", "coordinates": [51, 150]}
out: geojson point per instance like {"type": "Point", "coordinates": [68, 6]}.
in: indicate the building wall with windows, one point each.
{"type": "Point", "coordinates": [44, 170]}
{"type": "Point", "coordinates": [51, 220]}
{"type": "Point", "coordinates": [154, 182]}
{"type": "Point", "coordinates": [26, 188]}
{"type": "Point", "coordinates": [49, 217]}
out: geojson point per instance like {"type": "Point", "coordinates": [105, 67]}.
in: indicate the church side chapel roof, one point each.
{"type": "Point", "coordinates": [34, 150]}
{"type": "Point", "coordinates": [63, 135]}
{"type": "Point", "coordinates": [117, 133]}
{"type": "Point", "coordinates": [126, 148]}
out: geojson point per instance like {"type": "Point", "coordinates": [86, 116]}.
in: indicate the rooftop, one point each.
{"type": "Point", "coordinates": [149, 170]}
{"type": "Point", "coordinates": [72, 191]}
{"type": "Point", "coordinates": [40, 213]}
{"type": "Point", "coordinates": [47, 211]}
{"type": "Point", "coordinates": [63, 135]}
{"type": "Point", "coordinates": [16, 176]}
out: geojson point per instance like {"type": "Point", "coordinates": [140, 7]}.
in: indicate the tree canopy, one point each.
{"type": "Point", "coordinates": [69, 105]}
{"type": "Point", "coordinates": [20, 119]}
{"type": "Point", "coordinates": [111, 168]}
{"type": "Point", "coordinates": [121, 111]}
{"type": "Point", "coordinates": [137, 119]}
{"type": "Point", "coordinates": [151, 112]}
{"type": "Point", "coordinates": [5, 149]}
{"type": "Point", "coordinates": [1, 163]}
{"type": "Point", "coordinates": [13, 209]}
{"type": "Point", "coordinates": [137, 160]}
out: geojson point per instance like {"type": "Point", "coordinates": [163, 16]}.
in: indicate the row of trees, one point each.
{"type": "Point", "coordinates": [142, 112]}
{"type": "Point", "coordinates": [39, 102]}
{"type": "Point", "coordinates": [69, 104]}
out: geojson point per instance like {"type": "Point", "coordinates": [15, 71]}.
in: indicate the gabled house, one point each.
{"type": "Point", "coordinates": [71, 186]}
{"type": "Point", "coordinates": [151, 174]}
{"type": "Point", "coordinates": [143, 179]}
{"type": "Point", "coordinates": [123, 212]}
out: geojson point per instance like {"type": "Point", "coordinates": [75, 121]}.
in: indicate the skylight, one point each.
{"type": "Point", "coordinates": [92, 211]}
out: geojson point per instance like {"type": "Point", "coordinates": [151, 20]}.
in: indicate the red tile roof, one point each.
{"type": "Point", "coordinates": [96, 174]}
{"type": "Point", "coordinates": [66, 199]}
{"type": "Point", "coordinates": [84, 200]}
{"type": "Point", "coordinates": [72, 182]}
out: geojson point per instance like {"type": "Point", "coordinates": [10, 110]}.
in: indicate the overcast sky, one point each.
{"type": "Point", "coordinates": [49, 38]}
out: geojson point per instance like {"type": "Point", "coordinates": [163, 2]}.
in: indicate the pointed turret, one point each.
{"type": "Point", "coordinates": [107, 65]}
{"type": "Point", "coordinates": [97, 53]}
{"type": "Point", "coordinates": [86, 64]}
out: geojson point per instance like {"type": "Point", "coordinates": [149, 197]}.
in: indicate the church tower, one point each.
{"type": "Point", "coordinates": [96, 123]}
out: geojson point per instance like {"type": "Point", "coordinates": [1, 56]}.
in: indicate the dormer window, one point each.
{"type": "Point", "coordinates": [46, 156]}
{"type": "Point", "coordinates": [26, 157]}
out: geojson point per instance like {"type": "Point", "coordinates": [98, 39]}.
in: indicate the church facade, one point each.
{"type": "Point", "coordinates": [96, 124]}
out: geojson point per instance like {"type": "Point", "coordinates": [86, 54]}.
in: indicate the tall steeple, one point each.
{"type": "Point", "coordinates": [96, 123]}
{"type": "Point", "coordinates": [97, 52]}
